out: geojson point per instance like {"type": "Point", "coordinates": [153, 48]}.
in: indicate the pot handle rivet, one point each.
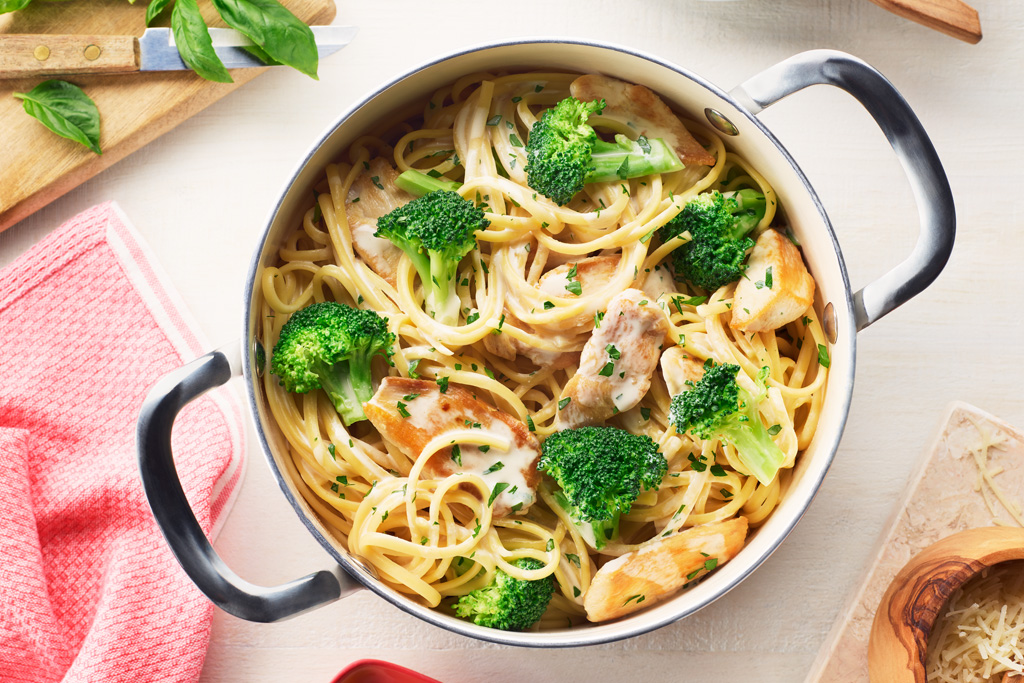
{"type": "Point", "coordinates": [720, 122]}
{"type": "Point", "coordinates": [828, 323]}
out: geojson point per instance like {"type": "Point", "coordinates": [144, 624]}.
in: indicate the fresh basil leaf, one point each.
{"type": "Point", "coordinates": [194, 43]}
{"type": "Point", "coordinates": [261, 54]}
{"type": "Point", "coordinates": [154, 9]}
{"type": "Point", "coordinates": [13, 5]}
{"type": "Point", "coordinates": [66, 110]}
{"type": "Point", "coordinates": [273, 28]}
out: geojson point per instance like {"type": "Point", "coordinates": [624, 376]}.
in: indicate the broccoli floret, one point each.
{"type": "Point", "coordinates": [330, 346]}
{"type": "Point", "coordinates": [600, 471]}
{"type": "Point", "coordinates": [564, 153]}
{"type": "Point", "coordinates": [718, 407]}
{"type": "Point", "coordinates": [719, 226]}
{"type": "Point", "coordinates": [507, 603]}
{"type": "Point", "coordinates": [436, 231]}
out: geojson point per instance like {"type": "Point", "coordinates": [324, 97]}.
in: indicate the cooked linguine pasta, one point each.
{"type": "Point", "coordinates": [517, 345]}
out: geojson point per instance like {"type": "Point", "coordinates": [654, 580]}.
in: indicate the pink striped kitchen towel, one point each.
{"type": "Point", "coordinates": [89, 591]}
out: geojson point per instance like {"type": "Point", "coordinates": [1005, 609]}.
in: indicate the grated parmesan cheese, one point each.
{"type": "Point", "coordinates": [981, 632]}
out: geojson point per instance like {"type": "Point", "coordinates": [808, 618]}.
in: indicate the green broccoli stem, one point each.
{"type": "Point", "coordinates": [418, 183]}
{"type": "Point", "coordinates": [750, 209]}
{"type": "Point", "coordinates": [625, 158]}
{"type": "Point", "coordinates": [345, 383]}
{"type": "Point", "coordinates": [595, 533]}
{"type": "Point", "coordinates": [440, 297]}
{"type": "Point", "coordinates": [754, 445]}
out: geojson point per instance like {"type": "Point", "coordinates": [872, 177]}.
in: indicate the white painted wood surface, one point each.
{"type": "Point", "coordinates": [200, 194]}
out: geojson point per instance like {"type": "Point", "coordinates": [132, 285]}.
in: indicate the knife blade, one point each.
{"type": "Point", "coordinates": [23, 56]}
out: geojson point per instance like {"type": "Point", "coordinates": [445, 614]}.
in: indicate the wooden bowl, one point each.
{"type": "Point", "coordinates": [908, 610]}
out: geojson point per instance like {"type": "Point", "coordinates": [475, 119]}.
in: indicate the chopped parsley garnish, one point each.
{"type": "Point", "coordinates": [774, 429]}
{"type": "Point", "coordinates": [410, 397]}
{"type": "Point", "coordinates": [638, 598]}
{"type": "Point", "coordinates": [548, 305]}
{"type": "Point", "coordinates": [457, 455]}
{"type": "Point", "coordinates": [442, 384]}
{"type": "Point", "coordinates": [402, 410]}
{"type": "Point", "coordinates": [472, 317]}
{"type": "Point", "coordinates": [718, 470]}
{"type": "Point", "coordinates": [575, 559]}
{"type": "Point", "coordinates": [412, 368]}
{"type": "Point", "coordinates": [495, 467]}
{"type": "Point", "coordinates": [494, 120]}
{"type": "Point", "coordinates": [768, 278]}
{"type": "Point", "coordinates": [607, 370]}
{"type": "Point", "coordinates": [551, 545]}
{"type": "Point", "coordinates": [376, 181]}
{"type": "Point", "coordinates": [529, 424]}
{"type": "Point", "coordinates": [613, 352]}
{"type": "Point", "coordinates": [645, 412]}
{"type": "Point", "coordinates": [823, 359]}
{"type": "Point", "coordinates": [564, 402]}
{"type": "Point", "coordinates": [496, 491]}
{"type": "Point", "coordinates": [514, 140]}
{"type": "Point", "coordinates": [330, 449]}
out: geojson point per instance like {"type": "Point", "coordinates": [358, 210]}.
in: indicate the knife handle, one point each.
{"type": "Point", "coordinates": [24, 56]}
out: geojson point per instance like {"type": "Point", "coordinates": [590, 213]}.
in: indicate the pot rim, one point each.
{"type": "Point", "coordinates": [599, 633]}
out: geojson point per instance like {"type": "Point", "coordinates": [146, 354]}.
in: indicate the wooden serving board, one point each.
{"type": "Point", "coordinates": [939, 502]}
{"type": "Point", "coordinates": [37, 166]}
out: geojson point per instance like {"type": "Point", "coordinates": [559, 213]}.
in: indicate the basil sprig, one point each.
{"type": "Point", "coordinates": [194, 43]}
{"type": "Point", "coordinates": [66, 110]}
{"type": "Point", "coordinates": [154, 9]}
{"type": "Point", "coordinates": [275, 30]}
{"type": "Point", "coordinates": [13, 5]}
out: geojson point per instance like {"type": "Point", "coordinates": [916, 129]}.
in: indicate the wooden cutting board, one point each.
{"type": "Point", "coordinates": [37, 166]}
{"type": "Point", "coordinates": [939, 502]}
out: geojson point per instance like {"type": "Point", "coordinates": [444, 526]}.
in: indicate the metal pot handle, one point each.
{"type": "Point", "coordinates": [913, 148]}
{"type": "Point", "coordinates": [178, 523]}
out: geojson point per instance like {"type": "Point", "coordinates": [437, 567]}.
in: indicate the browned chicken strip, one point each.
{"type": "Point", "coordinates": [644, 112]}
{"type": "Point", "coordinates": [678, 368]}
{"type": "Point", "coordinates": [776, 288]}
{"type": "Point", "coordinates": [506, 346]}
{"type": "Point", "coordinates": [426, 411]}
{"type": "Point", "coordinates": [591, 272]}
{"type": "Point", "coordinates": [617, 361]}
{"type": "Point", "coordinates": [659, 568]}
{"type": "Point", "coordinates": [371, 196]}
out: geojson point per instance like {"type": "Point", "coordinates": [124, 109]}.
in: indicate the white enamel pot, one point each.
{"type": "Point", "coordinates": [844, 313]}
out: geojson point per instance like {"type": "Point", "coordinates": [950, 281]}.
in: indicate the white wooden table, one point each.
{"type": "Point", "coordinates": [200, 194]}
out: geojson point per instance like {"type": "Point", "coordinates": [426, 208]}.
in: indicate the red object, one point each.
{"type": "Point", "coordinates": [89, 591]}
{"type": "Point", "coordinates": [376, 671]}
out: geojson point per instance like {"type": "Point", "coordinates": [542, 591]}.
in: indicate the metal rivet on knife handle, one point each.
{"type": "Point", "coordinates": [41, 52]}
{"type": "Point", "coordinates": [92, 52]}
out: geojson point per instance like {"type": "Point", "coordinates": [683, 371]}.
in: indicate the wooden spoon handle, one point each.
{"type": "Point", "coordinates": [24, 56]}
{"type": "Point", "coordinates": [952, 17]}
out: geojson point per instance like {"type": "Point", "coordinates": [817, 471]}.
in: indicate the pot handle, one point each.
{"type": "Point", "coordinates": [913, 149]}
{"type": "Point", "coordinates": [177, 522]}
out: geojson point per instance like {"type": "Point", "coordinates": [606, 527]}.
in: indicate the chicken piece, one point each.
{"type": "Point", "coordinates": [617, 362]}
{"type": "Point", "coordinates": [506, 346]}
{"type": "Point", "coordinates": [372, 195]}
{"type": "Point", "coordinates": [659, 285]}
{"type": "Point", "coordinates": [431, 412]}
{"type": "Point", "coordinates": [591, 272]}
{"type": "Point", "coordinates": [643, 111]}
{"type": "Point", "coordinates": [678, 368]}
{"type": "Point", "coordinates": [658, 569]}
{"type": "Point", "coordinates": [776, 288]}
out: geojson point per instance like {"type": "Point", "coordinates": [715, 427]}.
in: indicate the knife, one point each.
{"type": "Point", "coordinates": [23, 56]}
